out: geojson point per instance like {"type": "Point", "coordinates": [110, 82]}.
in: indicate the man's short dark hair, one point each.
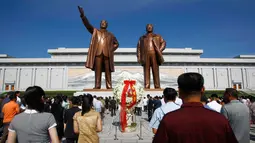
{"type": "Point", "coordinates": [12, 96]}
{"type": "Point", "coordinates": [17, 92]}
{"type": "Point", "coordinates": [204, 99]}
{"type": "Point", "coordinates": [75, 101]}
{"type": "Point", "coordinates": [214, 96]}
{"type": "Point", "coordinates": [231, 91]}
{"type": "Point", "coordinates": [170, 94]}
{"type": "Point", "coordinates": [10, 93]}
{"type": "Point", "coordinates": [190, 82]}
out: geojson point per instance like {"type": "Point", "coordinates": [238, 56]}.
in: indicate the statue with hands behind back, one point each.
{"type": "Point", "coordinates": [149, 54]}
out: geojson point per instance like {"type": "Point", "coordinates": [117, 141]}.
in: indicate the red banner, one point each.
{"type": "Point", "coordinates": [128, 90]}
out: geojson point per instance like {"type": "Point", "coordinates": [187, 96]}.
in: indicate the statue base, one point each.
{"type": "Point", "coordinates": [97, 90]}
{"type": "Point", "coordinates": [109, 92]}
{"type": "Point", "coordinates": [129, 129]}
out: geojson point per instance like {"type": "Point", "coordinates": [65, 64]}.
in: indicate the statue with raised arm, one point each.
{"type": "Point", "coordinates": [149, 54]}
{"type": "Point", "coordinates": [101, 51]}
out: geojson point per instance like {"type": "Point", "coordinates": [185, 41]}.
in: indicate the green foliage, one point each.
{"type": "Point", "coordinates": [3, 94]}
{"type": "Point", "coordinates": [220, 93]}
{"type": "Point", "coordinates": [54, 93]}
{"type": "Point", "coordinates": [133, 125]}
{"type": "Point", "coordinates": [210, 92]}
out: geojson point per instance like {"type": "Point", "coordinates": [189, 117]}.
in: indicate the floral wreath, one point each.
{"type": "Point", "coordinates": [127, 92]}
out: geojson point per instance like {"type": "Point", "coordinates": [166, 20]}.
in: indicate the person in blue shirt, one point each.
{"type": "Point", "coordinates": [156, 103]}
{"type": "Point", "coordinates": [170, 95]}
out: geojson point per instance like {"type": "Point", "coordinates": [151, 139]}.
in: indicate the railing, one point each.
{"type": "Point", "coordinates": [112, 131]}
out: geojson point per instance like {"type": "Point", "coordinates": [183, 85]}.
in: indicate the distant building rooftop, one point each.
{"type": "Point", "coordinates": [183, 51]}
{"type": "Point", "coordinates": [245, 56]}
{"type": "Point", "coordinates": [5, 56]}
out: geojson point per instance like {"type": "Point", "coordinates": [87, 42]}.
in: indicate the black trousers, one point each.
{"type": "Point", "coordinates": [5, 133]}
{"type": "Point", "coordinates": [139, 111]}
{"type": "Point", "coordinates": [71, 140]}
{"type": "Point", "coordinates": [145, 108]}
{"type": "Point", "coordinates": [149, 114]}
{"type": "Point", "coordinates": [113, 111]}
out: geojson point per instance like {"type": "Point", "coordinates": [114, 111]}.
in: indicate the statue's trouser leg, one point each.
{"type": "Point", "coordinates": [98, 71]}
{"type": "Point", "coordinates": [146, 71]}
{"type": "Point", "coordinates": [108, 77]}
{"type": "Point", "coordinates": [155, 71]}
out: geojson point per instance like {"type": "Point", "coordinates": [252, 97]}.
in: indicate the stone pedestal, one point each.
{"type": "Point", "coordinates": [109, 92]}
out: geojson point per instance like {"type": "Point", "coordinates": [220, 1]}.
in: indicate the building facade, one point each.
{"type": "Point", "coordinates": [65, 70]}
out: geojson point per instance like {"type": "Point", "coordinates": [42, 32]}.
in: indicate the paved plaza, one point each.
{"type": "Point", "coordinates": [252, 134]}
{"type": "Point", "coordinates": [112, 134]}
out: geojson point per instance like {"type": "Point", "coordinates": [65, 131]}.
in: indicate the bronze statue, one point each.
{"type": "Point", "coordinates": [101, 50]}
{"type": "Point", "coordinates": [149, 54]}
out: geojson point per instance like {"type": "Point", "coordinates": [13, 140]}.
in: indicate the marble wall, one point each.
{"type": "Point", "coordinates": [78, 78]}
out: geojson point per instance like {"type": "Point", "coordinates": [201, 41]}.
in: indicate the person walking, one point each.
{"type": "Point", "coordinates": [113, 104]}
{"type": "Point", "coordinates": [150, 107]}
{"type": "Point", "coordinates": [237, 114]}
{"type": "Point", "coordinates": [58, 111]}
{"type": "Point", "coordinates": [69, 134]}
{"type": "Point", "coordinates": [33, 125]}
{"type": "Point", "coordinates": [169, 98]}
{"type": "Point", "coordinates": [9, 110]}
{"type": "Point", "coordinates": [87, 123]}
{"type": "Point", "coordinates": [145, 104]}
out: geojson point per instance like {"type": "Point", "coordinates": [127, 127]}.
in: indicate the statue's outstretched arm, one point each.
{"type": "Point", "coordinates": [85, 21]}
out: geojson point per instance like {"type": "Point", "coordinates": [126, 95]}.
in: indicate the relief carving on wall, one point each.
{"type": "Point", "coordinates": [84, 79]}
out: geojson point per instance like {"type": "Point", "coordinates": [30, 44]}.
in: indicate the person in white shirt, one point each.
{"type": "Point", "coordinates": [214, 104]}
{"type": "Point", "coordinates": [139, 107]}
{"type": "Point", "coordinates": [162, 101]}
{"type": "Point", "coordinates": [17, 93]}
{"type": "Point", "coordinates": [246, 101]}
{"type": "Point", "coordinates": [145, 104]}
{"type": "Point", "coordinates": [94, 101]}
{"type": "Point", "coordinates": [178, 101]}
{"type": "Point", "coordinates": [98, 106]}
{"type": "Point", "coordinates": [169, 98]}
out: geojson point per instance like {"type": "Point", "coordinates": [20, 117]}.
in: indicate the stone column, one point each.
{"type": "Point", "coordinates": [49, 78]}
{"type": "Point", "coordinates": [229, 78]}
{"type": "Point", "coordinates": [215, 77]}
{"type": "Point", "coordinates": [2, 86]}
{"type": "Point", "coordinates": [244, 80]}
{"type": "Point", "coordinates": [17, 83]}
{"type": "Point", "coordinates": [33, 76]}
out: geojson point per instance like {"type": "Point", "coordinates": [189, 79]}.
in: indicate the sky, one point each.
{"type": "Point", "coordinates": [222, 28]}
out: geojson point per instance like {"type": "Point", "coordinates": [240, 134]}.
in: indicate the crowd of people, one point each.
{"type": "Point", "coordinates": [37, 118]}
{"type": "Point", "coordinates": [186, 116]}
{"type": "Point", "coordinates": [199, 120]}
